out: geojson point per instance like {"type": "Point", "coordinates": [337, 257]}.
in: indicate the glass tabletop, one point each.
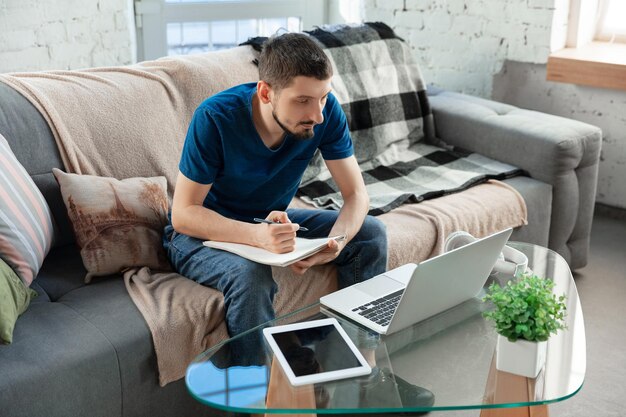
{"type": "Point", "coordinates": [451, 355]}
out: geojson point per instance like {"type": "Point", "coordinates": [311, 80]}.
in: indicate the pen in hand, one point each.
{"type": "Point", "coordinates": [303, 229]}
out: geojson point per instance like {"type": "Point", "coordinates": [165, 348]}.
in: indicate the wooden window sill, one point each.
{"type": "Point", "coordinates": [598, 64]}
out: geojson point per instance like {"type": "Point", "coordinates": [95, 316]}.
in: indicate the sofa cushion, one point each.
{"type": "Point", "coordinates": [99, 328]}
{"type": "Point", "coordinates": [107, 306]}
{"type": "Point", "coordinates": [58, 365]}
{"type": "Point", "coordinates": [14, 299]}
{"type": "Point", "coordinates": [117, 224]}
{"type": "Point", "coordinates": [25, 219]}
{"type": "Point", "coordinates": [50, 189]}
{"type": "Point", "coordinates": [62, 271]}
{"type": "Point", "coordinates": [42, 296]}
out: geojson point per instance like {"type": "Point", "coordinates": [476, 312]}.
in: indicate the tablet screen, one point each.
{"type": "Point", "coordinates": [315, 350]}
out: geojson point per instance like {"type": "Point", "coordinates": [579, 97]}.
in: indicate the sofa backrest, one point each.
{"type": "Point", "coordinates": [33, 144]}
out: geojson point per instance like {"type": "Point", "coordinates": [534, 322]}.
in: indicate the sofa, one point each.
{"type": "Point", "coordinates": [85, 350]}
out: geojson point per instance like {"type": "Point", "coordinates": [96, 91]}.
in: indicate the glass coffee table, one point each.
{"type": "Point", "coordinates": [452, 355]}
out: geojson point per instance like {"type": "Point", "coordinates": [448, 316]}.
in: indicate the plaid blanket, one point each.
{"type": "Point", "coordinates": [410, 175]}
{"type": "Point", "coordinates": [381, 90]}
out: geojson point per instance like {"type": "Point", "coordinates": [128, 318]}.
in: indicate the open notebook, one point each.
{"type": "Point", "coordinates": [304, 249]}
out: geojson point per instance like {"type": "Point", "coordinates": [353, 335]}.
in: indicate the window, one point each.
{"type": "Point", "coordinates": [611, 25]}
{"type": "Point", "coordinates": [595, 20]}
{"type": "Point", "coordinates": [180, 27]}
{"type": "Point", "coordinates": [192, 37]}
{"type": "Point", "coordinates": [595, 51]}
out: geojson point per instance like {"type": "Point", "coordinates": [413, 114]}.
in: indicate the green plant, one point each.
{"type": "Point", "coordinates": [526, 308]}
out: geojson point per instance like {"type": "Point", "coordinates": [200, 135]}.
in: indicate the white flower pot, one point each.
{"type": "Point", "coordinates": [521, 357]}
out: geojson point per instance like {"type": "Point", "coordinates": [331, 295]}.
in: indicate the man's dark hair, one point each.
{"type": "Point", "coordinates": [289, 55]}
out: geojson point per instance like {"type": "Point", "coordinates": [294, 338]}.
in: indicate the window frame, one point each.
{"type": "Point", "coordinates": [152, 17]}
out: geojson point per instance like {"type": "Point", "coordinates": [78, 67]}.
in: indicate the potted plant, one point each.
{"type": "Point", "coordinates": [526, 312]}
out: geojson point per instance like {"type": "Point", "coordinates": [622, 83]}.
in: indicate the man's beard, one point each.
{"type": "Point", "coordinates": [306, 134]}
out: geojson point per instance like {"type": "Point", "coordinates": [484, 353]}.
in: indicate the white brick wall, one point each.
{"type": "Point", "coordinates": [65, 34]}
{"type": "Point", "coordinates": [458, 41]}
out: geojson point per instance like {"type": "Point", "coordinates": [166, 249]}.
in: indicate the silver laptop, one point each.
{"type": "Point", "coordinates": [411, 293]}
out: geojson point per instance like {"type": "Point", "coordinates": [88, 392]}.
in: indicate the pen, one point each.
{"type": "Point", "coordinates": [340, 238]}
{"type": "Point", "coordinates": [304, 229]}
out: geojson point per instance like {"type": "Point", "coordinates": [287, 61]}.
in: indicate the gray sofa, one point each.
{"type": "Point", "coordinates": [85, 350]}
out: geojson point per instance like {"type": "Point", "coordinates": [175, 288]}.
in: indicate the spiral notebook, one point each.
{"type": "Point", "coordinates": [304, 249]}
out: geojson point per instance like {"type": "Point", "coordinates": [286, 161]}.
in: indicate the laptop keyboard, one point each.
{"type": "Point", "coordinates": [380, 310]}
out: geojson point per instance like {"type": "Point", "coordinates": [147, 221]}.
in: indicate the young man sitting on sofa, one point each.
{"type": "Point", "coordinates": [244, 155]}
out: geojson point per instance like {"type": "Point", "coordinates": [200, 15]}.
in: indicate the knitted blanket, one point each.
{"type": "Point", "coordinates": [130, 121]}
{"type": "Point", "coordinates": [378, 83]}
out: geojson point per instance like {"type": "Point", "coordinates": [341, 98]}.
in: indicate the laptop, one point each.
{"type": "Point", "coordinates": [411, 293]}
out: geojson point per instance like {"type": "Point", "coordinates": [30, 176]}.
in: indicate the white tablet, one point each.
{"type": "Point", "coordinates": [315, 351]}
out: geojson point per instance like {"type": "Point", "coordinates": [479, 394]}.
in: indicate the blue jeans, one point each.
{"type": "Point", "coordinates": [249, 288]}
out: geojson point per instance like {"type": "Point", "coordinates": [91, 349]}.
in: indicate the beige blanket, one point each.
{"type": "Point", "coordinates": [131, 122]}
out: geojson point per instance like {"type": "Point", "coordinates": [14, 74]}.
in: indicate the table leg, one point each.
{"type": "Point", "coordinates": [503, 387]}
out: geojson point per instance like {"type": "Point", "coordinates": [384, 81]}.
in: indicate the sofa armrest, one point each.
{"type": "Point", "coordinates": [561, 152]}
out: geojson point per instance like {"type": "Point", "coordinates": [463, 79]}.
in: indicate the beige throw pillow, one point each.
{"type": "Point", "coordinates": [117, 224]}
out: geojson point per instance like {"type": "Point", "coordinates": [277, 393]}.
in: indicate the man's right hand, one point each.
{"type": "Point", "coordinates": [277, 238]}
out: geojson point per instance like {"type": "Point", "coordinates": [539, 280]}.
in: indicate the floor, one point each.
{"type": "Point", "coordinates": [602, 290]}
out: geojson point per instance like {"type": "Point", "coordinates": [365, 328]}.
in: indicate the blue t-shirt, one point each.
{"type": "Point", "coordinates": [249, 180]}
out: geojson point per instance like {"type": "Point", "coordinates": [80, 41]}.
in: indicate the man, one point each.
{"type": "Point", "coordinates": [244, 155]}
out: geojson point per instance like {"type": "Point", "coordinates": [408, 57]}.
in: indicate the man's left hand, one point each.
{"type": "Point", "coordinates": [322, 257]}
